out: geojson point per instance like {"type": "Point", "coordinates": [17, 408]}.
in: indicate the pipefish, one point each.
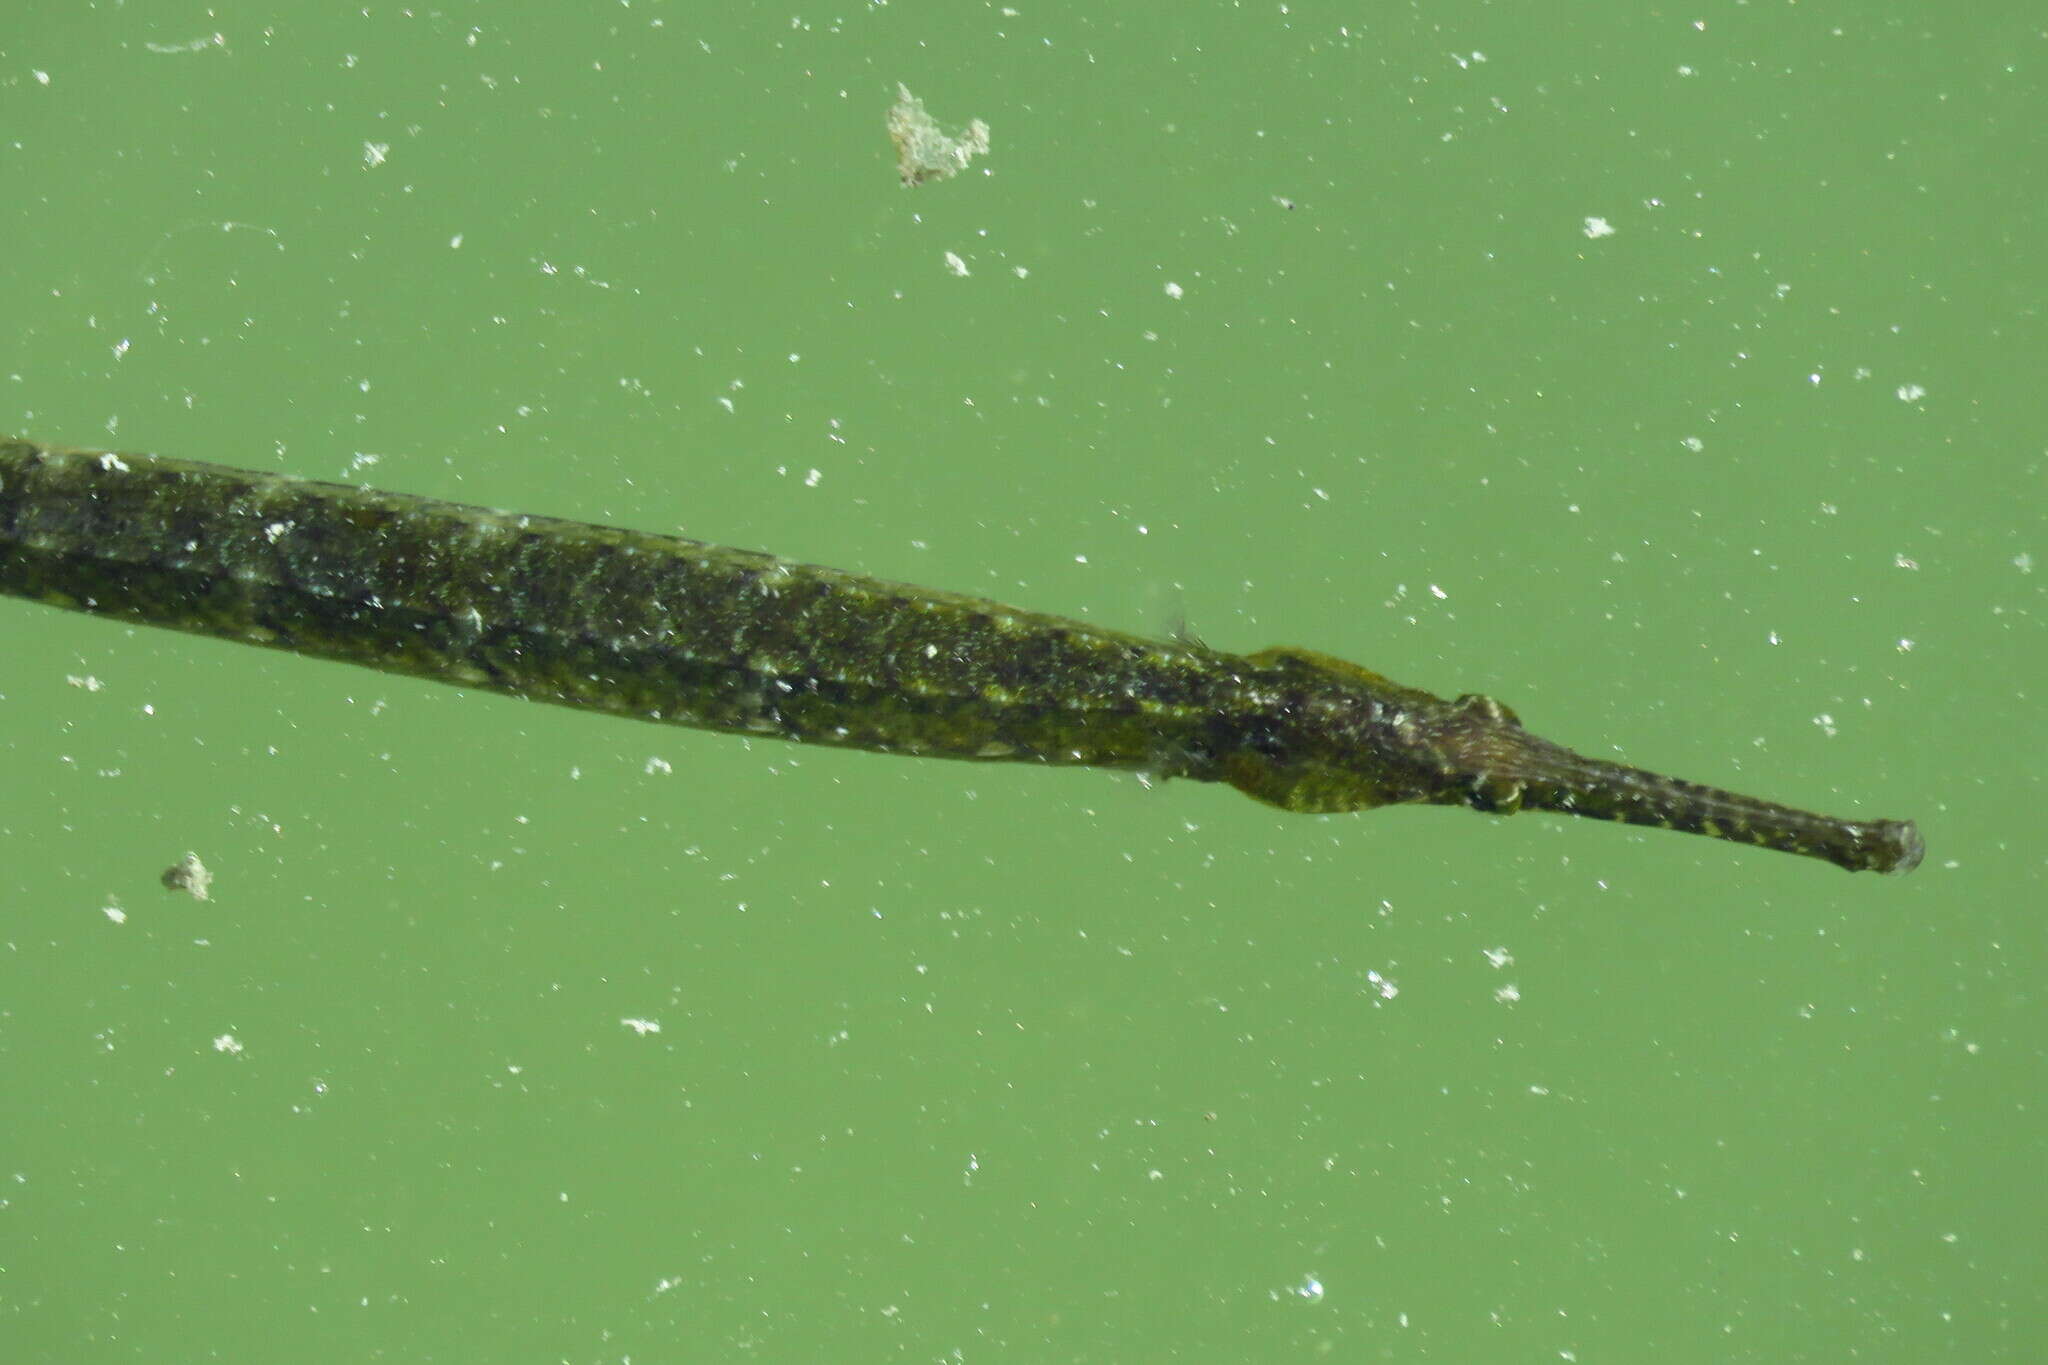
{"type": "Point", "coordinates": [662, 628]}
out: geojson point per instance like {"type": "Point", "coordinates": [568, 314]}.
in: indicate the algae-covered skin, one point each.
{"type": "Point", "coordinates": [666, 629]}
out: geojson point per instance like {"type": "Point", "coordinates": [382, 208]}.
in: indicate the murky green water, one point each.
{"type": "Point", "coordinates": [513, 1034]}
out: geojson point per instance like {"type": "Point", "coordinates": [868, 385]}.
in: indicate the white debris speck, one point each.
{"type": "Point", "coordinates": [228, 1043]}
{"type": "Point", "coordinates": [1310, 1290]}
{"type": "Point", "coordinates": [813, 479]}
{"type": "Point", "coordinates": [1911, 393]}
{"type": "Point", "coordinates": [114, 913]}
{"type": "Point", "coordinates": [1694, 444]}
{"type": "Point", "coordinates": [925, 151]}
{"type": "Point", "coordinates": [1826, 723]}
{"type": "Point", "coordinates": [189, 875]}
{"type": "Point", "coordinates": [374, 154]}
{"type": "Point", "coordinates": [1597, 228]}
{"type": "Point", "coordinates": [1174, 291]}
{"type": "Point", "coordinates": [1508, 994]}
{"type": "Point", "coordinates": [643, 1027]}
{"type": "Point", "coordinates": [455, 242]}
{"type": "Point", "coordinates": [113, 463]}
{"type": "Point", "coordinates": [1500, 957]}
{"type": "Point", "coordinates": [955, 264]}
{"type": "Point", "coordinates": [658, 767]}
{"type": "Point", "coordinates": [1385, 989]}
{"type": "Point", "coordinates": [2023, 562]}
{"type": "Point", "coordinates": [88, 682]}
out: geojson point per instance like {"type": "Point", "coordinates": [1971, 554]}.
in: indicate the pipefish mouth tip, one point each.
{"type": "Point", "coordinates": [1901, 846]}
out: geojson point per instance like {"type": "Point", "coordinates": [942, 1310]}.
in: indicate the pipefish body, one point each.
{"type": "Point", "coordinates": [662, 628]}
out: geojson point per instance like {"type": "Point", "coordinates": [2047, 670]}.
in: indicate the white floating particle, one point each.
{"type": "Point", "coordinates": [926, 152]}
{"type": "Point", "coordinates": [1597, 228]}
{"type": "Point", "coordinates": [1174, 291]}
{"type": "Point", "coordinates": [643, 1027]}
{"type": "Point", "coordinates": [955, 264]}
{"type": "Point", "coordinates": [189, 875]}
{"type": "Point", "coordinates": [1911, 393]}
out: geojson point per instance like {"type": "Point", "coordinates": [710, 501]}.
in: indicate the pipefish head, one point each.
{"type": "Point", "coordinates": [1313, 733]}
{"type": "Point", "coordinates": [1490, 763]}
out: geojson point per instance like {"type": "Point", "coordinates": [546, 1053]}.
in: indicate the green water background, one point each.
{"type": "Point", "coordinates": [1286, 320]}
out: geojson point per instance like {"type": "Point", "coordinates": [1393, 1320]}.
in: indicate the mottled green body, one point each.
{"type": "Point", "coordinates": [662, 628]}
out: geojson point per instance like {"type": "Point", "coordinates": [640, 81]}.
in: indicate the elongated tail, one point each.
{"type": "Point", "coordinates": [1510, 769]}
